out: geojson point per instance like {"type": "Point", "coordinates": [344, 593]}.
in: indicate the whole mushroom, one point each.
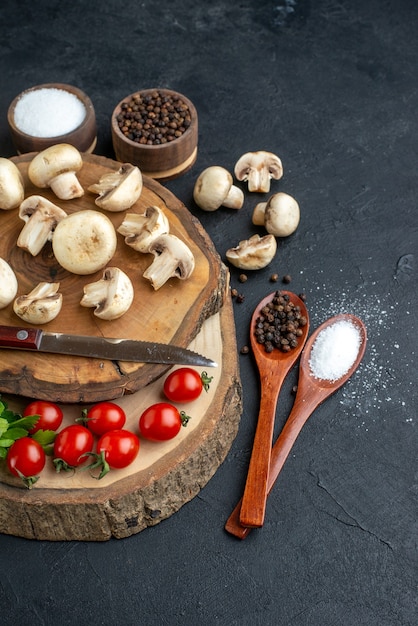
{"type": "Point", "coordinates": [41, 218]}
{"type": "Point", "coordinates": [41, 305]}
{"type": "Point", "coordinates": [214, 188]}
{"type": "Point", "coordinates": [111, 296]}
{"type": "Point", "coordinates": [280, 215]}
{"type": "Point", "coordinates": [119, 190]}
{"type": "Point", "coordinates": [140, 230]}
{"type": "Point", "coordinates": [253, 253]}
{"type": "Point", "coordinates": [12, 189]}
{"type": "Point", "coordinates": [258, 168]}
{"type": "Point", "coordinates": [173, 258]}
{"type": "Point", "coordinates": [8, 283]}
{"type": "Point", "coordinates": [84, 242]}
{"type": "Point", "coordinates": [56, 167]}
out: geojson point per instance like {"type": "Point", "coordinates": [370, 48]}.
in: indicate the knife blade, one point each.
{"type": "Point", "coordinates": [111, 349]}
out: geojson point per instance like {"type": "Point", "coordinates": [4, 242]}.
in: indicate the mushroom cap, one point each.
{"type": "Point", "coordinates": [41, 305]}
{"type": "Point", "coordinates": [52, 162]}
{"type": "Point", "coordinates": [173, 258]}
{"type": "Point", "coordinates": [212, 187]}
{"type": "Point", "coordinates": [41, 218]}
{"type": "Point", "coordinates": [140, 230]}
{"type": "Point", "coordinates": [12, 190]}
{"type": "Point", "coordinates": [84, 242]}
{"type": "Point", "coordinates": [258, 168]}
{"type": "Point", "coordinates": [253, 253]}
{"type": "Point", "coordinates": [111, 296]}
{"type": "Point", "coordinates": [119, 190]}
{"type": "Point", "coordinates": [8, 283]}
{"type": "Point", "coordinates": [281, 215]}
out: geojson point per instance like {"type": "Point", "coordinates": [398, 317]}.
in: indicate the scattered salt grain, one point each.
{"type": "Point", "coordinates": [335, 350]}
{"type": "Point", "coordinates": [48, 112]}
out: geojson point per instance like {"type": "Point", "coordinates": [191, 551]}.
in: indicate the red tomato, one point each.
{"type": "Point", "coordinates": [26, 458]}
{"type": "Point", "coordinates": [120, 447]}
{"type": "Point", "coordinates": [50, 415]}
{"type": "Point", "coordinates": [70, 445]}
{"type": "Point", "coordinates": [185, 384]}
{"type": "Point", "coordinates": [103, 417]}
{"type": "Point", "coordinates": [161, 421]}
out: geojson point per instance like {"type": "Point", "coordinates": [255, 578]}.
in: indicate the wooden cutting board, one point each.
{"type": "Point", "coordinates": [173, 314]}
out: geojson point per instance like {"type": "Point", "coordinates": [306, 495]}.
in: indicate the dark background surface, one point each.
{"type": "Point", "coordinates": [330, 86]}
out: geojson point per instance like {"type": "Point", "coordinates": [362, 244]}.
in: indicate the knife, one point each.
{"type": "Point", "coordinates": [99, 347]}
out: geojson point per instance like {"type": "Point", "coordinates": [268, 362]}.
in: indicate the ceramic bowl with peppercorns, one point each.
{"type": "Point", "coordinates": [157, 130]}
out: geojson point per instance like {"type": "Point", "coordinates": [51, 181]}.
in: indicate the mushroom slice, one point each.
{"type": "Point", "coordinates": [111, 296]}
{"type": "Point", "coordinates": [56, 167]}
{"type": "Point", "coordinates": [258, 168]}
{"type": "Point", "coordinates": [41, 305]}
{"type": "Point", "coordinates": [280, 215]}
{"type": "Point", "coordinates": [173, 258]}
{"type": "Point", "coordinates": [8, 283]}
{"type": "Point", "coordinates": [141, 230]}
{"type": "Point", "coordinates": [41, 217]}
{"type": "Point", "coordinates": [253, 253]}
{"type": "Point", "coordinates": [84, 242]}
{"type": "Point", "coordinates": [214, 188]}
{"type": "Point", "coordinates": [119, 190]}
{"type": "Point", "coordinates": [12, 190]}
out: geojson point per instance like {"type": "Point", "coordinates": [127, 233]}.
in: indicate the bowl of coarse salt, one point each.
{"type": "Point", "coordinates": [52, 113]}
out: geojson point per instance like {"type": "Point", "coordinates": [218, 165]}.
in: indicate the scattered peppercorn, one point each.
{"type": "Point", "coordinates": [154, 118]}
{"type": "Point", "coordinates": [244, 350]}
{"type": "Point", "coordinates": [302, 296]}
{"type": "Point", "coordinates": [242, 278]}
{"type": "Point", "coordinates": [240, 298]}
{"type": "Point", "coordinates": [274, 278]}
{"type": "Point", "coordinates": [234, 292]}
{"type": "Point", "coordinates": [279, 324]}
{"type": "Point", "coordinates": [287, 279]}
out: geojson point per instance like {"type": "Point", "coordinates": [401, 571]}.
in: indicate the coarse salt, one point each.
{"type": "Point", "coordinates": [48, 112]}
{"type": "Point", "coordinates": [335, 350]}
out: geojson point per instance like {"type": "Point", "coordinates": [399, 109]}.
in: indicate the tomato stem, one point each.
{"type": "Point", "coordinates": [206, 380]}
{"type": "Point", "coordinates": [100, 461]}
{"type": "Point", "coordinates": [184, 418]}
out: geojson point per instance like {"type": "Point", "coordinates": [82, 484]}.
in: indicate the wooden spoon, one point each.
{"type": "Point", "coordinates": [310, 394]}
{"type": "Point", "coordinates": [273, 368]}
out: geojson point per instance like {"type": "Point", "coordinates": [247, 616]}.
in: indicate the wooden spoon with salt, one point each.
{"type": "Point", "coordinates": [273, 368]}
{"type": "Point", "coordinates": [310, 394]}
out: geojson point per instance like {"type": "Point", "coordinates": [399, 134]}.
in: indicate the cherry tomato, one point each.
{"type": "Point", "coordinates": [161, 421]}
{"type": "Point", "coordinates": [70, 445]}
{"type": "Point", "coordinates": [103, 417]}
{"type": "Point", "coordinates": [185, 384]}
{"type": "Point", "coordinates": [50, 415]}
{"type": "Point", "coordinates": [120, 447]}
{"type": "Point", "coordinates": [26, 458]}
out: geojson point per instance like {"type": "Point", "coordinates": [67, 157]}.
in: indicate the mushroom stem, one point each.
{"type": "Point", "coordinates": [41, 217]}
{"type": "Point", "coordinates": [66, 186]}
{"type": "Point", "coordinates": [173, 258]}
{"type": "Point", "coordinates": [234, 198]}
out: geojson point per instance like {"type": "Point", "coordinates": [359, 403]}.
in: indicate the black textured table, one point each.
{"type": "Point", "coordinates": [331, 88]}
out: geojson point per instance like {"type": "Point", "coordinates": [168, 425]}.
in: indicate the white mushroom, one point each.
{"type": "Point", "coordinates": [12, 189]}
{"type": "Point", "coordinates": [280, 215]}
{"type": "Point", "coordinates": [214, 188]}
{"type": "Point", "coordinates": [119, 190]}
{"type": "Point", "coordinates": [8, 282]}
{"type": "Point", "coordinates": [173, 258]}
{"type": "Point", "coordinates": [111, 296]}
{"type": "Point", "coordinates": [141, 230]}
{"type": "Point", "coordinates": [258, 168]}
{"type": "Point", "coordinates": [56, 167]}
{"type": "Point", "coordinates": [41, 305]}
{"type": "Point", "coordinates": [253, 253]}
{"type": "Point", "coordinates": [84, 242]}
{"type": "Point", "coordinates": [41, 218]}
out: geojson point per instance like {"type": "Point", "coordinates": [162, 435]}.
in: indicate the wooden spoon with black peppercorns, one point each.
{"type": "Point", "coordinates": [279, 329]}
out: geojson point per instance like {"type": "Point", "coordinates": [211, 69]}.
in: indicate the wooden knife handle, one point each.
{"type": "Point", "coordinates": [23, 338]}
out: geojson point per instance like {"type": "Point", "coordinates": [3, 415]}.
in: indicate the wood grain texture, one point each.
{"type": "Point", "coordinates": [173, 314]}
{"type": "Point", "coordinates": [163, 478]}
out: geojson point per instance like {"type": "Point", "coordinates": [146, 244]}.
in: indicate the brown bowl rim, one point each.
{"type": "Point", "coordinates": [79, 93]}
{"type": "Point", "coordinates": [160, 146]}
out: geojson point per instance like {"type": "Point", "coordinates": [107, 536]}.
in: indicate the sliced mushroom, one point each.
{"type": "Point", "coordinates": [41, 218]}
{"type": "Point", "coordinates": [119, 190]}
{"type": "Point", "coordinates": [214, 188]}
{"type": "Point", "coordinates": [111, 296]}
{"type": "Point", "coordinates": [56, 167]}
{"type": "Point", "coordinates": [12, 190]}
{"type": "Point", "coordinates": [141, 230]}
{"type": "Point", "coordinates": [84, 242]}
{"type": "Point", "coordinates": [258, 168]}
{"type": "Point", "coordinates": [280, 215]}
{"type": "Point", "coordinates": [253, 253]}
{"type": "Point", "coordinates": [8, 282]}
{"type": "Point", "coordinates": [173, 258]}
{"type": "Point", "coordinates": [41, 305]}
